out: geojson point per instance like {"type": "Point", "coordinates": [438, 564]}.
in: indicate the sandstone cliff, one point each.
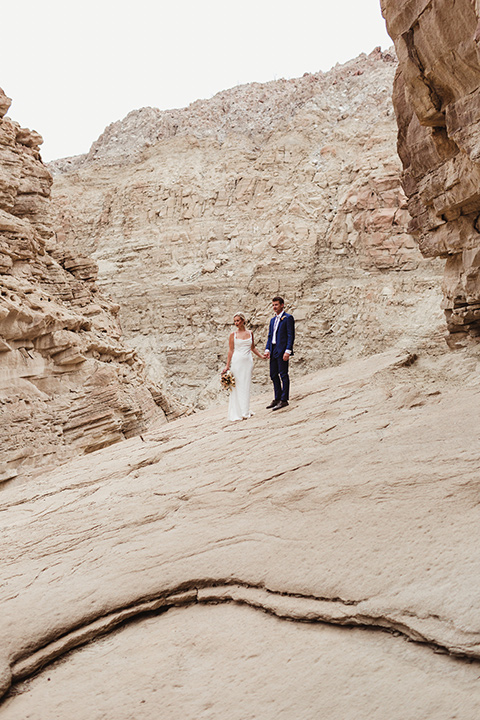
{"type": "Point", "coordinates": [291, 186]}
{"type": "Point", "coordinates": [68, 383]}
{"type": "Point", "coordinates": [437, 102]}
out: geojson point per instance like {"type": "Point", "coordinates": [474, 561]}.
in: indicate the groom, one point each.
{"type": "Point", "coordinates": [281, 335]}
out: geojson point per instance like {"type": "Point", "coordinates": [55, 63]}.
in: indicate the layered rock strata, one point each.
{"type": "Point", "coordinates": [68, 382]}
{"type": "Point", "coordinates": [291, 186]}
{"type": "Point", "coordinates": [437, 103]}
{"type": "Point", "coordinates": [360, 520]}
{"type": "Point", "coordinates": [230, 660]}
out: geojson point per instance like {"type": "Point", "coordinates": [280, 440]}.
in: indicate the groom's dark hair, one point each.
{"type": "Point", "coordinates": [279, 299]}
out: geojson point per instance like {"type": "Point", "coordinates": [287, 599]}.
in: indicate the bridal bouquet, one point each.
{"type": "Point", "coordinates": [227, 380]}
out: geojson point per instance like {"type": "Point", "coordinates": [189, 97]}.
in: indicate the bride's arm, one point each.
{"type": "Point", "coordinates": [230, 353]}
{"type": "Point", "coordinates": [255, 351]}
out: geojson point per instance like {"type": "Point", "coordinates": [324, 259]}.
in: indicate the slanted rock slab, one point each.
{"type": "Point", "coordinates": [357, 505]}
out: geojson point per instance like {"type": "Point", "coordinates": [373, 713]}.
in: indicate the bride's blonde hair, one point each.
{"type": "Point", "coordinates": [239, 314]}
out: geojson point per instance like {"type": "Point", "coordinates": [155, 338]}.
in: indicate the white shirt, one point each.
{"type": "Point", "coordinates": [275, 327]}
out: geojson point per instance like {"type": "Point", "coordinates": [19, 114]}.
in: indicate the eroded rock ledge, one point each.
{"type": "Point", "coordinates": [228, 660]}
{"type": "Point", "coordinates": [433, 631]}
{"type": "Point", "coordinates": [437, 103]}
{"type": "Point", "coordinates": [68, 382]}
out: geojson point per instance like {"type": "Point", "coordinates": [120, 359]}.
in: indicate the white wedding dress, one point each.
{"type": "Point", "coordinates": [241, 367]}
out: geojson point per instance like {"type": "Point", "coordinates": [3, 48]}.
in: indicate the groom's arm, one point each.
{"type": "Point", "coordinates": [290, 334]}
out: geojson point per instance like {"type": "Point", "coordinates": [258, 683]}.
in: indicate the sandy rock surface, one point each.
{"type": "Point", "coordinates": [437, 103]}
{"type": "Point", "coordinates": [356, 506]}
{"type": "Point", "coordinates": [291, 186]}
{"type": "Point", "coordinates": [231, 661]}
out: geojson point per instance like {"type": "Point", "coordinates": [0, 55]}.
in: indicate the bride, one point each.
{"type": "Point", "coordinates": [240, 361]}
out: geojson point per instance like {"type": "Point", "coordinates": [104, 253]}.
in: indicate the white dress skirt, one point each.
{"type": "Point", "coordinates": [241, 367]}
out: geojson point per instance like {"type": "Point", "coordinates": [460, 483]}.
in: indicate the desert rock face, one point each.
{"type": "Point", "coordinates": [68, 383]}
{"type": "Point", "coordinates": [316, 561]}
{"type": "Point", "coordinates": [291, 186]}
{"type": "Point", "coordinates": [358, 527]}
{"type": "Point", "coordinates": [436, 97]}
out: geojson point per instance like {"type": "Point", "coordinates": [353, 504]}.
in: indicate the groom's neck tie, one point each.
{"type": "Point", "coordinates": [275, 328]}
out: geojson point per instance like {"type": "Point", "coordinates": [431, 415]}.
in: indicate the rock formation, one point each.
{"type": "Point", "coordinates": [357, 527]}
{"type": "Point", "coordinates": [291, 186]}
{"type": "Point", "coordinates": [361, 520]}
{"type": "Point", "coordinates": [68, 383]}
{"type": "Point", "coordinates": [436, 97]}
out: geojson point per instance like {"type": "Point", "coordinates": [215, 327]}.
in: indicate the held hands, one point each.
{"type": "Point", "coordinates": [266, 355]}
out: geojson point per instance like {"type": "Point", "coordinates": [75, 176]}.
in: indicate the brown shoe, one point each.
{"type": "Point", "coordinates": [281, 404]}
{"type": "Point", "coordinates": [272, 404]}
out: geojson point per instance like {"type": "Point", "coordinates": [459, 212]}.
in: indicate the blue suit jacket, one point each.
{"type": "Point", "coordinates": [285, 335]}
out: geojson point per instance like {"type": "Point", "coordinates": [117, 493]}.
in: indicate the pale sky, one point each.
{"type": "Point", "coordinates": [74, 67]}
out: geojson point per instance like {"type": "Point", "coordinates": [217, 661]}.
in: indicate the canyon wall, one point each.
{"type": "Point", "coordinates": [437, 103]}
{"type": "Point", "coordinates": [196, 541]}
{"type": "Point", "coordinates": [68, 383]}
{"type": "Point", "coordinates": [288, 187]}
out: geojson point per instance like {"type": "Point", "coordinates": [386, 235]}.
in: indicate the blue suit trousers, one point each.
{"type": "Point", "coordinates": [280, 378]}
